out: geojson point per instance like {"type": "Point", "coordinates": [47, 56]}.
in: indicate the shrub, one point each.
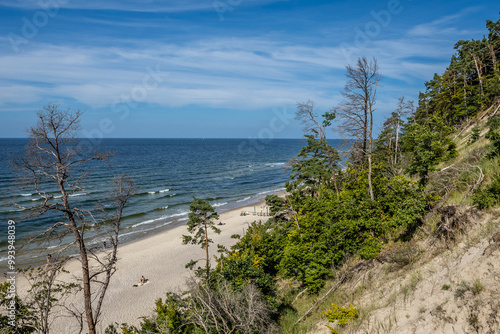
{"type": "Point", "coordinates": [476, 131]}
{"type": "Point", "coordinates": [341, 315]}
{"type": "Point", "coordinates": [489, 196]}
{"type": "Point", "coordinates": [462, 289]}
{"type": "Point", "coordinates": [494, 123]}
{"type": "Point", "coordinates": [477, 287]}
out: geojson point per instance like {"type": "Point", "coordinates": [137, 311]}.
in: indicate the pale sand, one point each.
{"type": "Point", "coordinates": [161, 259]}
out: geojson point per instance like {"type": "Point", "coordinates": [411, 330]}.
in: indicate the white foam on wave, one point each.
{"type": "Point", "coordinates": [124, 234]}
{"type": "Point", "coordinates": [17, 210]}
{"type": "Point", "coordinates": [77, 194]}
{"type": "Point", "coordinates": [158, 191]}
{"type": "Point", "coordinates": [274, 164]}
{"type": "Point", "coordinates": [178, 214]}
{"type": "Point", "coordinates": [149, 221]}
{"type": "Point", "coordinates": [244, 199]}
{"type": "Point", "coordinates": [158, 219]}
{"type": "Point", "coordinates": [25, 195]}
{"type": "Point", "coordinates": [219, 204]}
{"type": "Point", "coordinates": [164, 208]}
{"type": "Point", "coordinates": [265, 192]}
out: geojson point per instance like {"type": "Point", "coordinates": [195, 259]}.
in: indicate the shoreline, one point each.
{"type": "Point", "coordinates": [161, 258]}
{"type": "Point", "coordinates": [140, 235]}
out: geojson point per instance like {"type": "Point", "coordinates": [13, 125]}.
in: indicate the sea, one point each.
{"type": "Point", "coordinates": [167, 173]}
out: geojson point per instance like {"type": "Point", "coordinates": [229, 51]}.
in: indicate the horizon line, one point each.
{"type": "Point", "coordinates": [265, 139]}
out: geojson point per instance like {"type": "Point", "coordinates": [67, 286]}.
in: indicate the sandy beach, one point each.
{"type": "Point", "coordinates": [161, 259]}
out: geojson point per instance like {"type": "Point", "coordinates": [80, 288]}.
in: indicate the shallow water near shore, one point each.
{"type": "Point", "coordinates": [167, 173]}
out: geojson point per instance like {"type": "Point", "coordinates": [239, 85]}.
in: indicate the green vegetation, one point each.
{"type": "Point", "coordinates": [372, 209]}
{"type": "Point", "coordinates": [341, 315]}
{"type": "Point", "coordinates": [201, 220]}
{"type": "Point", "coordinates": [331, 216]}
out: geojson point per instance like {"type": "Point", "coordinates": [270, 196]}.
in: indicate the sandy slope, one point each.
{"type": "Point", "coordinates": [161, 259]}
{"type": "Point", "coordinates": [451, 290]}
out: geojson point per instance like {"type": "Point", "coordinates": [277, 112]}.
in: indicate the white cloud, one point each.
{"type": "Point", "coordinates": [244, 73]}
{"type": "Point", "coordinates": [446, 25]}
{"type": "Point", "coordinates": [127, 5]}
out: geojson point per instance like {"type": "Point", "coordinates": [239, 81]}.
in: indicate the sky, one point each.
{"type": "Point", "coordinates": [216, 68]}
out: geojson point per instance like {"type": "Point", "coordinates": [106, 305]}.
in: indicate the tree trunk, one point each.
{"type": "Point", "coordinates": [370, 187]}
{"type": "Point", "coordinates": [206, 244]}
{"type": "Point", "coordinates": [491, 49]}
{"type": "Point", "coordinates": [479, 74]}
{"type": "Point", "coordinates": [397, 142]}
{"type": "Point", "coordinates": [365, 133]}
{"type": "Point", "coordinates": [83, 258]}
{"type": "Point", "coordinates": [330, 158]}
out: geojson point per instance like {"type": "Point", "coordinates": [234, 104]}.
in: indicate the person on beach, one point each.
{"type": "Point", "coordinates": [104, 245]}
{"type": "Point", "coordinates": [142, 281]}
{"type": "Point", "coordinates": [49, 257]}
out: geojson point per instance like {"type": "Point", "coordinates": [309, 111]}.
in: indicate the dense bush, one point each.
{"type": "Point", "coordinates": [488, 196]}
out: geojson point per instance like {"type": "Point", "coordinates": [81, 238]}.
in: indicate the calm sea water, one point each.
{"type": "Point", "coordinates": [167, 174]}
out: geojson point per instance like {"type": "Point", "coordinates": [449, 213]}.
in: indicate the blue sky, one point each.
{"type": "Point", "coordinates": [216, 68]}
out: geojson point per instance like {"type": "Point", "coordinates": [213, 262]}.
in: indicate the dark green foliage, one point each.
{"type": "Point", "coordinates": [254, 258]}
{"type": "Point", "coordinates": [494, 123]}
{"type": "Point", "coordinates": [328, 214]}
{"type": "Point", "coordinates": [428, 144]}
{"type": "Point", "coordinates": [314, 166]}
{"type": "Point", "coordinates": [25, 319]}
{"type": "Point", "coordinates": [201, 220]}
{"type": "Point", "coordinates": [168, 315]}
{"type": "Point", "coordinates": [475, 134]}
{"type": "Point", "coordinates": [325, 230]}
{"type": "Point", "coordinates": [488, 196]}
{"type": "Point", "coordinates": [494, 138]}
{"type": "Point", "coordinates": [470, 84]}
{"type": "Point", "coordinates": [279, 208]}
{"type": "Point", "coordinates": [387, 148]}
{"type": "Point", "coordinates": [124, 329]}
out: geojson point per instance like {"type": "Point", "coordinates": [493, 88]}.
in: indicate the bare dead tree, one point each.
{"type": "Point", "coordinates": [357, 108]}
{"type": "Point", "coordinates": [225, 310]}
{"type": "Point", "coordinates": [55, 158]}
{"type": "Point", "coordinates": [403, 109]}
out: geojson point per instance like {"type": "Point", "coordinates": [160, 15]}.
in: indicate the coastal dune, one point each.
{"type": "Point", "coordinates": [161, 259]}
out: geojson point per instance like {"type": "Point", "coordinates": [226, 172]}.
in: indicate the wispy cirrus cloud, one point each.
{"type": "Point", "coordinates": [171, 6]}
{"type": "Point", "coordinates": [265, 54]}
{"type": "Point", "coordinates": [244, 74]}
{"type": "Point", "coordinates": [445, 25]}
